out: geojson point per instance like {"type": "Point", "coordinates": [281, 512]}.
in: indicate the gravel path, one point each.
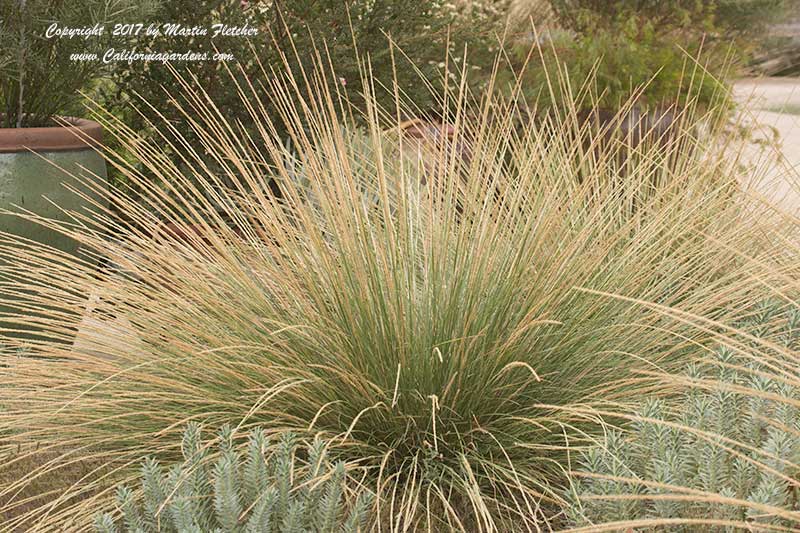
{"type": "Point", "coordinates": [773, 106]}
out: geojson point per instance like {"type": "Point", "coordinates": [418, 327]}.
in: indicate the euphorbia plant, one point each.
{"type": "Point", "coordinates": [39, 78]}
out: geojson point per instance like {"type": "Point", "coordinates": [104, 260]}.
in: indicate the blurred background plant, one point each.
{"type": "Point", "coordinates": [652, 45]}
{"type": "Point", "coordinates": [672, 52]}
{"type": "Point", "coordinates": [778, 50]}
{"type": "Point", "coordinates": [675, 52]}
{"type": "Point", "coordinates": [402, 42]}
{"type": "Point", "coordinates": [38, 80]}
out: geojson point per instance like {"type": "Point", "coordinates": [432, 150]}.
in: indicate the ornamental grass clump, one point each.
{"type": "Point", "coordinates": [436, 310]}
{"type": "Point", "coordinates": [251, 491]}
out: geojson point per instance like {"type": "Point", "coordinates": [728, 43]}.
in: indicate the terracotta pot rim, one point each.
{"type": "Point", "coordinates": [79, 134]}
{"type": "Point", "coordinates": [420, 128]}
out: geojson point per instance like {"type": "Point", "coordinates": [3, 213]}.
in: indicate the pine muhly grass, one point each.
{"type": "Point", "coordinates": [437, 310]}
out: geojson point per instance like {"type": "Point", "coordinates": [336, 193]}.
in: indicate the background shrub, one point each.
{"type": "Point", "coordinates": [649, 45]}
{"type": "Point", "coordinates": [37, 77]}
{"type": "Point", "coordinates": [628, 60]}
{"type": "Point", "coordinates": [396, 39]}
{"type": "Point", "coordinates": [677, 17]}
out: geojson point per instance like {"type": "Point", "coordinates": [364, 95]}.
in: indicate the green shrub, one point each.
{"type": "Point", "coordinates": [38, 78]}
{"type": "Point", "coordinates": [736, 437]}
{"type": "Point", "coordinates": [677, 17]}
{"type": "Point", "coordinates": [750, 18]}
{"type": "Point", "coordinates": [244, 491]}
{"type": "Point", "coordinates": [630, 59]}
{"type": "Point", "coordinates": [396, 39]}
{"type": "Point", "coordinates": [646, 48]}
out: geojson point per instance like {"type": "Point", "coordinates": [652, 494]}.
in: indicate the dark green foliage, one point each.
{"type": "Point", "coordinates": [651, 45]}
{"type": "Point", "coordinates": [750, 17]}
{"type": "Point", "coordinates": [349, 32]}
{"type": "Point", "coordinates": [630, 59]}
{"type": "Point", "coordinates": [749, 443]}
{"type": "Point", "coordinates": [723, 17]}
{"type": "Point", "coordinates": [37, 77]}
{"type": "Point", "coordinates": [248, 492]}
{"type": "Point", "coordinates": [349, 35]}
{"type": "Point", "coordinates": [418, 27]}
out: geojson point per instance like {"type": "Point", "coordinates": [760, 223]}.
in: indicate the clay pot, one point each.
{"type": "Point", "coordinates": [423, 139]}
{"type": "Point", "coordinates": [38, 166]}
{"type": "Point", "coordinates": [35, 166]}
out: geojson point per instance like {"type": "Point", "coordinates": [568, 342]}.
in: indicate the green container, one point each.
{"type": "Point", "coordinates": [38, 167]}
